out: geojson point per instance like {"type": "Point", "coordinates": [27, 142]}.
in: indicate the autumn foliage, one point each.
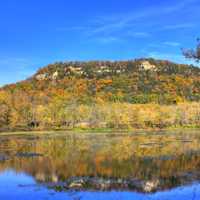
{"type": "Point", "coordinates": [136, 94]}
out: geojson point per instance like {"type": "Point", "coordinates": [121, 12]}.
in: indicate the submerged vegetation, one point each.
{"type": "Point", "coordinates": [143, 93]}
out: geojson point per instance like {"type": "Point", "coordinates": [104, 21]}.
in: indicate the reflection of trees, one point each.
{"type": "Point", "coordinates": [142, 157]}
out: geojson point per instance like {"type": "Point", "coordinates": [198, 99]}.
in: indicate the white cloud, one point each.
{"type": "Point", "coordinates": [106, 40]}
{"type": "Point", "coordinates": [114, 23]}
{"type": "Point", "coordinates": [178, 26]}
{"type": "Point", "coordinates": [173, 44]}
{"type": "Point", "coordinates": [136, 23]}
{"type": "Point", "coordinates": [138, 34]}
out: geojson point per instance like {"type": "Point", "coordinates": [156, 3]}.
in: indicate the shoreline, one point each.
{"type": "Point", "coordinates": [97, 130]}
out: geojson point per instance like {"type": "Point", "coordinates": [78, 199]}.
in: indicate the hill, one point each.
{"type": "Point", "coordinates": [69, 84]}
{"type": "Point", "coordinates": [138, 81]}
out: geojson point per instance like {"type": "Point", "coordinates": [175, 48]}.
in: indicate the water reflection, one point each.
{"type": "Point", "coordinates": [21, 186]}
{"type": "Point", "coordinates": [172, 159]}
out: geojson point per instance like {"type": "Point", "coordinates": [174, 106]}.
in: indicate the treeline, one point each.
{"type": "Point", "coordinates": [59, 114]}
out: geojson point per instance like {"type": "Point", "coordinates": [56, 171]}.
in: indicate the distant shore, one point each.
{"type": "Point", "coordinates": [111, 117]}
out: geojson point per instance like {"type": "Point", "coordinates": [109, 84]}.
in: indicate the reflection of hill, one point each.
{"type": "Point", "coordinates": [172, 160]}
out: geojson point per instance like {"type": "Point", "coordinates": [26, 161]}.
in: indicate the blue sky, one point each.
{"type": "Point", "coordinates": [34, 33]}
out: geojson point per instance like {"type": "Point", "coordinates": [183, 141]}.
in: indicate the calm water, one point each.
{"type": "Point", "coordinates": [157, 166]}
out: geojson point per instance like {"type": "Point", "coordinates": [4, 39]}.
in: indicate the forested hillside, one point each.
{"type": "Point", "coordinates": [53, 95]}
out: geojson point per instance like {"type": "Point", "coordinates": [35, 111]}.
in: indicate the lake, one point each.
{"type": "Point", "coordinates": [63, 165]}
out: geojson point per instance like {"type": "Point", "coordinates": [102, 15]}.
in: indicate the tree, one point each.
{"type": "Point", "coordinates": [193, 53]}
{"type": "Point", "coordinates": [4, 115]}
